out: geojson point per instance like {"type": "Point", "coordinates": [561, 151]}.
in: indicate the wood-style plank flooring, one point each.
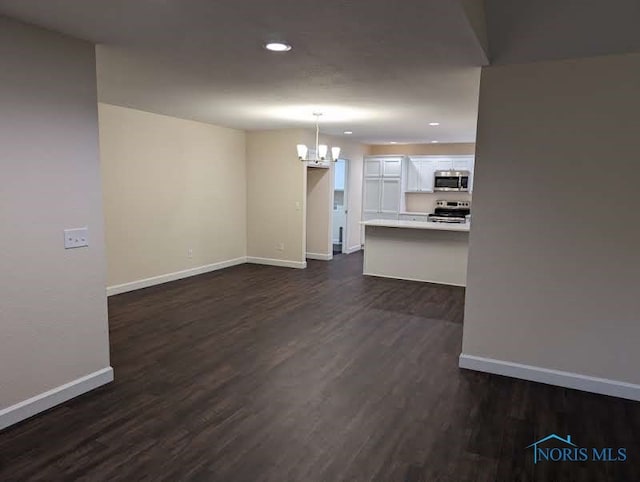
{"type": "Point", "coordinates": [259, 373]}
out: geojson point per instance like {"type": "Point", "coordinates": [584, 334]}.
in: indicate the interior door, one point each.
{"type": "Point", "coordinates": [390, 196]}
{"type": "Point", "coordinates": [372, 195]}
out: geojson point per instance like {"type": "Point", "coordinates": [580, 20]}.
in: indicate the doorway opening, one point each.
{"type": "Point", "coordinates": [340, 206]}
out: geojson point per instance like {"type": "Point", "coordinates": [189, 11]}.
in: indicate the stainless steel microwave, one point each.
{"type": "Point", "coordinates": [451, 181]}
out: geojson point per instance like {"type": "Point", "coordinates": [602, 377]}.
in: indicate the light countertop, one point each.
{"type": "Point", "coordinates": [392, 223]}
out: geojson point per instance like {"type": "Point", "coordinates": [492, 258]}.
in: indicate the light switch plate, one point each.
{"type": "Point", "coordinates": [76, 238]}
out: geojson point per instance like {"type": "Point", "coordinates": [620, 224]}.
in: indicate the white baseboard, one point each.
{"type": "Point", "coordinates": [44, 401]}
{"type": "Point", "coordinates": [353, 249]}
{"type": "Point", "coordinates": [165, 278]}
{"type": "Point", "coordinates": [277, 262]}
{"type": "Point", "coordinates": [320, 256]}
{"type": "Point", "coordinates": [559, 378]}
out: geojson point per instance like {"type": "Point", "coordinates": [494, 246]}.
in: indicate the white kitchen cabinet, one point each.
{"type": "Point", "coordinates": [371, 195]}
{"type": "Point", "coordinates": [463, 164]}
{"type": "Point", "coordinates": [381, 196]}
{"type": "Point", "coordinates": [453, 163]}
{"type": "Point", "coordinates": [382, 187]}
{"type": "Point", "coordinates": [372, 168]}
{"type": "Point", "coordinates": [390, 196]}
{"type": "Point", "coordinates": [427, 172]}
{"type": "Point", "coordinates": [444, 164]}
{"type": "Point", "coordinates": [413, 217]}
{"type": "Point", "coordinates": [413, 175]}
{"type": "Point", "coordinates": [370, 216]}
{"type": "Point", "coordinates": [420, 172]}
{"type": "Point", "coordinates": [390, 166]}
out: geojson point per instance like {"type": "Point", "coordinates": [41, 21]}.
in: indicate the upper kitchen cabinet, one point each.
{"type": "Point", "coordinates": [390, 166]}
{"type": "Point", "coordinates": [462, 164]}
{"type": "Point", "coordinates": [443, 163]}
{"type": "Point", "coordinates": [372, 168]}
{"type": "Point", "coordinates": [419, 174]}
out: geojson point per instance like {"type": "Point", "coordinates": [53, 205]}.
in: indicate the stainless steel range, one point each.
{"type": "Point", "coordinates": [451, 212]}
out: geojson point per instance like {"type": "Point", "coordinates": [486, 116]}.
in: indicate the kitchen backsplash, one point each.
{"type": "Point", "coordinates": [421, 202]}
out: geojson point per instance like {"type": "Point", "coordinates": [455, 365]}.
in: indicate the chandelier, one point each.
{"type": "Point", "coordinates": [321, 150]}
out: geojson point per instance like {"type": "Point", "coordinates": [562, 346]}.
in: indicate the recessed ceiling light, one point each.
{"type": "Point", "coordinates": [434, 142]}
{"type": "Point", "coordinates": [348, 132]}
{"type": "Point", "coordinates": [278, 47]}
{"type": "Point", "coordinates": [434, 124]}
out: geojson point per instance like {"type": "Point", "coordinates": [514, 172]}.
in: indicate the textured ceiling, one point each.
{"type": "Point", "coordinates": [382, 69]}
{"type": "Point", "coordinates": [531, 30]}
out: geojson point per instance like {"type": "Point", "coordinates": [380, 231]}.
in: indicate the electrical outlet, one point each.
{"type": "Point", "coordinates": [190, 253]}
{"type": "Point", "coordinates": [76, 238]}
{"type": "Point", "coordinates": [280, 247]}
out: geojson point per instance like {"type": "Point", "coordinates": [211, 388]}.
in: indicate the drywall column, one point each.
{"type": "Point", "coordinates": [53, 306]}
{"type": "Point", "coordinates": [319, 213]}
{"type": "Point", "coordinates": [552, 292]}
{"type": "Point", "coordinates": [276, 197]}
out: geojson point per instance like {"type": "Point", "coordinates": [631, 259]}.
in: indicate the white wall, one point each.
{"type": "Point", "coordinates": [276, 197]}
{"type": "Point", "coordinates": [554, 255]}
{"type": "Point", "coordinates": [53, 310]}
{"type": "Point", "coordinates": [170, 186]}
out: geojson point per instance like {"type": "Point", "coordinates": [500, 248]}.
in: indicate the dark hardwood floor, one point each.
{"type": "Point", "coordinates": [259, 373]}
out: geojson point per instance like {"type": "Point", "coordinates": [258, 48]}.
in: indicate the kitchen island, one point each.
{"type": "Point", "coordinates": [417, 251]}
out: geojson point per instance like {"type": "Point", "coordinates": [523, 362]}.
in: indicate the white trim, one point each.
{"type": "Point", "coordinates": [353, 249]}
{"type": "Point", "coordinates": [320, 256]}
{"type": "Point", "coordinates": [165, 278]}
{"type": "Point", "coordinates": [559, 378]}
{"type": "Point", "coordinates": [413, 279]}
{"type": "Point", "coordinates": [277, 262]}
{"type": "Point", "coordinates": [44, 401]}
